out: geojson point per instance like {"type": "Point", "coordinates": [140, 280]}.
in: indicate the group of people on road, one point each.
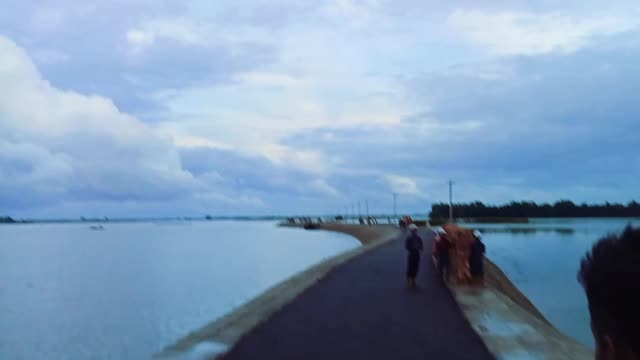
{"type": "Point", "coordinates": [609, 274]}
{"type": "Point", "coordinates": [441, 253]}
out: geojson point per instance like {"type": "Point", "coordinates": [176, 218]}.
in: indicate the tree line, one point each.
{"type": "Point", "coordinates": [530, 209]}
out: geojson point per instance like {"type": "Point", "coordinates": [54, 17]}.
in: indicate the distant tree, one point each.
{"type": "Point", "coordinates": [562, 208]}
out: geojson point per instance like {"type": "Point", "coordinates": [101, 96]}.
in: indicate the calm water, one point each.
{"type": "Point", "coordinates": [67, 292]}
{"type": "Point", "coordinates": [543, 257]}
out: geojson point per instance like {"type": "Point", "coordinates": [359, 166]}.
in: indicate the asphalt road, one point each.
{"type": "Point", "coordinates": [362, 310]}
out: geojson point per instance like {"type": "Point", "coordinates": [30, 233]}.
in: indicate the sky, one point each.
{"type": "Point", "coordinates": [278, 107]}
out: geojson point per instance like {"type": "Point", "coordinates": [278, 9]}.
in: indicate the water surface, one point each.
{"type": "Point", "coordinates": [67, 292]}
{"type": "Point", "coordinates": [542, 259]}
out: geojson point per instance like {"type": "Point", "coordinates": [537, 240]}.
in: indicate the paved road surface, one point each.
{"type": "Point", "coordinates": [362, 310]}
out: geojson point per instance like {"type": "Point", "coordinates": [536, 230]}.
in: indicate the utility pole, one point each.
{"type": "Point", "coordinates": [395, 197]}
{"type": "Point", "coordinates": [366, 204]}
{"type": "Point", "coordinates": [359, 212]}
{"type": "Point", "coordinates": [450, 200]}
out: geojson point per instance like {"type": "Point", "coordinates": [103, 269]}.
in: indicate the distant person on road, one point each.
{"type": "Point", "coordinates": [610, 275]}
{"type": "Point", "coordinates": [476, 257]}
{"type": "Point", "coordinates": [414, 247]}
{"type": "Point", "coordinates": [442, 247]}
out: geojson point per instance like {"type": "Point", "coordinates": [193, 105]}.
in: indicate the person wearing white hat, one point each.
{"type": "Point", "coordinates": [476, 256]}
{"type": "Point", "coordinates": [414, 247]}
{"type": "Point", "coordinates": [442, 246]}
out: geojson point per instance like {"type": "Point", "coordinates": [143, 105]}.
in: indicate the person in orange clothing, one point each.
{"type": "Point", "coordinates": [461, 239]}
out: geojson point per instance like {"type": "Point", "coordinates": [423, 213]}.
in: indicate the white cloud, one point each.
{"type": "Point", "coordinates": [310, 161]}
{"type": "Point", "coordinates": [525, 33]}
{"type": "Point", "coordinates": [81, 144]}
{"type": "Point", "coordinates": [192, 141]}
{"type": "Point", "coordinates": [482, 71]}
{"type": "Point", "coordinates": [140, 38]}
{"type": "Point", "coordinates": [34, 167]}
{"type": "Point", "coordinates": [312, 94]}
{"type": "Point", "coordinates": [271, 79]}
{"type": "Point", "coordinates": [252, 117]}
{"type": "Point", "coordinates": [432, 128]}
{"type": "Point", "coordinates": [321, 186]}
{"type": "Point", "coordinates": [62, 148]}
{"type": "Point", "coordinates": [148, 32]}
{"type": "Point", "coordinates": [51, 56]}
{"type": "Point", "coordinates": [403, 185]}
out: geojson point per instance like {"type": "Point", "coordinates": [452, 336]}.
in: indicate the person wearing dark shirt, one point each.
{"type": "Point", "coordinates": [413, 244]}
{"type": "Point", "coordinates": [610, 276]}
{"type": "Point", "coordinates": [476, 256]}
{"type": "Point", "coordinates": [443, 245]}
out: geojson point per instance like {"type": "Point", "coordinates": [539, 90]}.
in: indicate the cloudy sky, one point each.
{"type": "Point", "coordinates": [154, 108]}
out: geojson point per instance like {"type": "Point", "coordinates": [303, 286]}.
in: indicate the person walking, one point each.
{"type": "Point", "coordinates": [476, 258]}
{"type": "Point", "coordinates": [414, 246]}
{"type": "Point", "coordinates": [442, 246]}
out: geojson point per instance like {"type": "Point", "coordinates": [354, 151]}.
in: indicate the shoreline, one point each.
{"type": "Point", "coordinates": [227, 330]}
{"type": "Point", "coordinates": [496, 278]}
{"type": "Point", "coordinates": [365, 234]}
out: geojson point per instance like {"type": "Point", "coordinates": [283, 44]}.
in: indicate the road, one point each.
{"type": "Point", "coordinates": [362, 310]}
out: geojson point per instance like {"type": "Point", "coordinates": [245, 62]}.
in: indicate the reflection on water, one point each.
{"type": "Point", "coordinates": [542, 259]}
